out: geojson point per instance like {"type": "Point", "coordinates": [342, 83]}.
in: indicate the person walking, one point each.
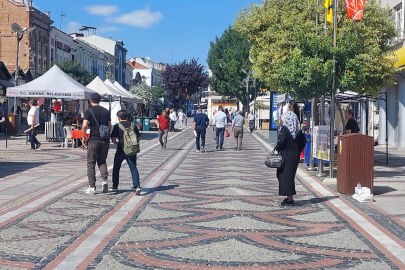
{"type": "Point", "coordinates": [351, 126]}
{"type": "Point", "coordinates": [163, 123]}
{"type": "Point", "coordinates": [237, 128]}
{"type": "Point", "coordinates": [220, 122]}
{"type": "Point", "coordinates": [118, 133]}
{"type": "Point", "coordinates": [181, 116]}
{"type": "Point", "coordinates": [251, 119]}
{"type": "Point", "coordinates": [173, 119]}
{"type": "Point", "coordinates": [201, 123]}
{"type": "Point", "coordinates": [291, 141]}
{"type": "Point", "coordinates": [98, 119]}
{"type": "Point", "coordinates": [33, 120]}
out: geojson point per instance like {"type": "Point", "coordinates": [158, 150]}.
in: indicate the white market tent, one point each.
{"type": "Point", "coordinates": [100, 87]}
{"type": "Point", "coordinates": [119, 86]}
{"type": "Point", "coordinates": [125, 96]}
{"type": "Point", "coordinates": [53, 84]}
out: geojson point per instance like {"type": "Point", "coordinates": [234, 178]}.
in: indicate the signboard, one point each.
{"type": "Point", "coordinates": [273, 108]}
{"type": "Point", "coordinates": [321, 142]}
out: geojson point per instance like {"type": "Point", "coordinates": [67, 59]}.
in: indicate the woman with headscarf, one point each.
{"type": "Point", "coordinates": [291, 141]}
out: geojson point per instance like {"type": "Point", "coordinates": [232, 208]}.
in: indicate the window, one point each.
{"type": "Point", "coordinates": [399, 20]}
{"type": "Point", "coordinates": [52, 55]}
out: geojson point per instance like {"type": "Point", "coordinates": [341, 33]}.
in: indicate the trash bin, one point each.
{"type": "Point", "coordinates": [355, 162]}
{"type": "Point", "coordinates": [11, 124]}
{"type": "Point", "coordinates": [146, 124]}
{"type": "Point", "coordinates": [138, 120]}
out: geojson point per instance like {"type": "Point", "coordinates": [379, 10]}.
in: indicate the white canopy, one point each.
{"type": "Point", "coordinates": [53, 84]}
{"type": "Point", "coordinates": [104, 90]}
{"type": "Point", "coordinates": [125, 96]}
{"type": "Point", "coordinates": [119, 86]}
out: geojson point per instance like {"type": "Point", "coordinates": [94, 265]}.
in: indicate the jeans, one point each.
{"type": "Point", "coordinates": [252, 125]}
{"type": "Point", "coordinates": [172, 123]}
{"type": "Point", "coordinates": [119, 157]}
{"type": "Point", "coordinates": [219, 135]}
{"type": "Point", "coordinates": [163, 137]}
{"type": "Point", "coordinates": [97, 152]}
{"type": "Point", "coordinates": [33, 138]}
{"type": "Point", "coordinates": [238, 135]}
{"type": "Point", "coordinates": [200, 133]}
{"type": "Point", "coordinates": [181, 124]}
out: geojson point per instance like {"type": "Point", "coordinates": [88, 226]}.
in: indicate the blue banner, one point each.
{"type": "Point", "coordinates": [273, 108]}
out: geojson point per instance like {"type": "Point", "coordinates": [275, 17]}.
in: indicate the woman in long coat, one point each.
{"type": "Point", "coordinates": [291, 141]}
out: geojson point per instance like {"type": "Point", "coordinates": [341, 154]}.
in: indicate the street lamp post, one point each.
{"type": "Point", "coordinates": [20, 33]}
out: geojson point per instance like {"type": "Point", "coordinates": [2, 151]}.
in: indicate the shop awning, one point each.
{"type": "Point", "coordinates": [400, 65]}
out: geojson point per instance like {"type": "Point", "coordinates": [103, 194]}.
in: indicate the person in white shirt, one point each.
{"type": "Point", "coordinates": [173, 119]}
{"type": "Point", "coordinates": [32, 120]}
{"type": "Point", "coordinates": [220, 121]}
{"type": "Point", "coordinates": [251, 119]}
{"type": "Point", "coordinates": [181, 116]}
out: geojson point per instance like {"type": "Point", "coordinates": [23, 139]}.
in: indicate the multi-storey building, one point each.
{"type": "Point", "coordinates": [115, 48]}
{"type": "Point", "coordinates": [148, 71]}
{"type": "Point", "coordinates": [34, 47]}
{"type": "Point", "coordinates": [392, 112]}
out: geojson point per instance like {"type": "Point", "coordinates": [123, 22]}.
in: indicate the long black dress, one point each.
{"type": "Point", "coordinates": [290, 150]}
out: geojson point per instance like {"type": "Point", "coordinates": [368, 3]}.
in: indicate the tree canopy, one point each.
{"type": "Point", "coordinates": [227, 57]}
{"type": "Point", "coordinates": [185, 78]}
{"type": "Point", "coordinates": [150, 95]}
{"type": "Point", "coordinates": [292, 55]}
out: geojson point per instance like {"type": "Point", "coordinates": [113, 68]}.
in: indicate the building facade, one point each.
{"type": "Point", "coordinates": [115, 48]}
{"type": "Point", "coordinates": [34, 47]}
{"type": "Point", "coordinates": [392, 110]}
{"type": "Point", "coordinates": [147, 70]}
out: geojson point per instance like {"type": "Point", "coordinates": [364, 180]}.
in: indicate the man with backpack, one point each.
{"type": "Point", "coordinates": [98, 120]}
{"type": "Point", "coordinates": [127, 148]}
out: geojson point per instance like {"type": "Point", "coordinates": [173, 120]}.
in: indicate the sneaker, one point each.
{"type": "Point", "coordinates": [38, 145]}
{"type": "Point", "coordinates": [113, 189]}
{"type": "Point", "coordinates": [90, 190]}
{"type": "Point", "coordinates": [164, 148]}
{"type": "Point", "coordinates": [220, 147]}
{"type": "Point", "coordinates": [104, 185]}
{"type": "Point", "coordinates": [138, 191]}
{"type": "Point", "coordinates": [198, 151]}
{"type": "Point", "coordinates": [202, 149]}
{"type": "Point", "coordinates": [216, 147]}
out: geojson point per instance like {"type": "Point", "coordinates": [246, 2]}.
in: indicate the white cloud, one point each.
{"type": "Point", "coordinates": [73, 27]}
{"type": "Point", "coordinates": [102, 10]}
{"type": "Point", "coordinates": [140, 18]}
{"type": "Point", "coordinates": [105, 29]}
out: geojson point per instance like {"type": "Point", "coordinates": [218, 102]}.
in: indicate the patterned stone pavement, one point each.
{"type": "Point", "coordinates": [213, 210]}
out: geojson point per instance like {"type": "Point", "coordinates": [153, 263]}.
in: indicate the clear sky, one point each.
{"type": "Point", "coordinates": [165, 30]}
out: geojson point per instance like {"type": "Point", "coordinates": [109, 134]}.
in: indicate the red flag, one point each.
{"type": "Point", "coordinates": [354, 9]}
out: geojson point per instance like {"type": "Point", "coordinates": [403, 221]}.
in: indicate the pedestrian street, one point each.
{"type": "Point", "coordinates": [214, 210]}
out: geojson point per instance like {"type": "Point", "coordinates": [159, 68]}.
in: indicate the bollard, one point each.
{"type": "Point", "coordinates": [6, 137]}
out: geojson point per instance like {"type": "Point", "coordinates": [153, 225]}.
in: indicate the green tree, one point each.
{"type": "Point", "coordinates": [292, 55]}
{"type": "Point", "coordinates": [150, 95]}
{"type": "Point", "coordinates": [227, 57]}
{"type": "Point", "coordinates": [74, 70]}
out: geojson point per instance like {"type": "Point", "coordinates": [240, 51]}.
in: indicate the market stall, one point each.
{"type": "Point", "coordinates": [59, 87]}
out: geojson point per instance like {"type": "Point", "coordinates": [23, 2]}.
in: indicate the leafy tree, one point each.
{"type": "Point", "coordinates": [227, 57]}
{"type": "Point", "coordinates": [74, 70]}
{"type": "Point", "coordinates": [151, 95]}
{"type": "Point", "coordinates": [292, 55]}
{"type": "Point", "coordinates": [185, 78]}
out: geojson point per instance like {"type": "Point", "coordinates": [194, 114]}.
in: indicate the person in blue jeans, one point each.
{"type": "Point", "coordinates": [220, 122]}
{"type": "Point", "coordinates": [120, 156]}
{"type": "Point", "coordinates": [201, 123]}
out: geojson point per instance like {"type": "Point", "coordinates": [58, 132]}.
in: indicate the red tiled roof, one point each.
{"type": "Point", "coordinates": [136, 65]}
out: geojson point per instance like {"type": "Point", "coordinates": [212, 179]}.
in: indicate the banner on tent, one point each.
{"type": "Point", "coordinates": [13, 93]}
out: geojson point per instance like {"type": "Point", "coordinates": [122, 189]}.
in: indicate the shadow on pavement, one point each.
{"type": "Point", "coordinates": [313, 201]}
{"type": "Point", "coordinates": [10, 168]}
{"type": "Point", "coordinates": [379, 190]}
{"type": "Point", "coordinates": [162, 188]}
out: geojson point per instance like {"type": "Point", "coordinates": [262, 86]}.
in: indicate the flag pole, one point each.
{"type": "Point", "coordinates": [333, 92]}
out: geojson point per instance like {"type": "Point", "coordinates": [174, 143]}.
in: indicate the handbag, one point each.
{"type": "Point", "coordinates": [274, 160]}
{"type": "Point", "coordinates": [227, 133]}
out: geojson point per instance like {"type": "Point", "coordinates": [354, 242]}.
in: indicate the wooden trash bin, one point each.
{"type": "Point", "coordinates": [355, 162]}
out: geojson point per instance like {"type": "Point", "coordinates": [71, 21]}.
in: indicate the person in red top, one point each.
{"type": "Point", "coordinates": [163, 123]}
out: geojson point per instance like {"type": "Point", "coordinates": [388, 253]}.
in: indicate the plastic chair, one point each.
{"type": "Point", "coordinates": [68, 136]}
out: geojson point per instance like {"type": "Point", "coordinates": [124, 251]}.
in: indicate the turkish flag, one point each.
{"type": "Point", "coordinates": [354, 9]}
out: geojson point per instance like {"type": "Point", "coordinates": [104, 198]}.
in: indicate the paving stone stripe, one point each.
{"type": "Point", "coordinates": [87, 246]}
{"type": "Point", "coordinates": [47, 197]}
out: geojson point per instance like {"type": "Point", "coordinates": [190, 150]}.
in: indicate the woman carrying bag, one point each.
{"type": "Point", "coordinates": [291, 142]}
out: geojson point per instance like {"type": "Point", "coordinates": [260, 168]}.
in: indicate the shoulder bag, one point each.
{"type": "Point", "coordinates": [103, 129]}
